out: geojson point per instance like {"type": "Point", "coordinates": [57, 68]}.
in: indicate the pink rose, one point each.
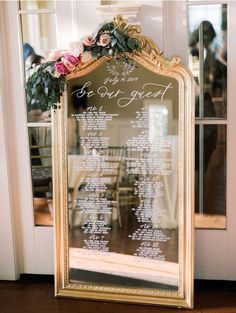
{"type": "Point", "coordinates": [76, 48]}
{"type": "Point", "coordinates": [68, 65]}
{"type": "Point", "coordinates": [61, 68]}
{"type": "Point", "coordinates": [89, 40]}
{"type": "Point", "coordinates": [72, 59]}
{"type": "Point", "coordinates": [86, 57]}
{"type": "Point", "coordinates": [54, 55]}
{"type": "Point", "coordinates": [104, 40]}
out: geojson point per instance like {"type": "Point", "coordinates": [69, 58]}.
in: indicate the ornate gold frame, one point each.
{"type": "Point", "coordinates": [151, 58]}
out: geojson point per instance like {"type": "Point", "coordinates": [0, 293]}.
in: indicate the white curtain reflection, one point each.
{"type": "Point", "coordinates": [164, 145]}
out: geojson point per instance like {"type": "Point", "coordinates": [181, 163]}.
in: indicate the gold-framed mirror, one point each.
{"type": "Point", "coordinates": [123, 156]}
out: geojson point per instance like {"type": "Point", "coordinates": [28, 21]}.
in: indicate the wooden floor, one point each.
{"type": "Point", "coordinates": [31, 295]}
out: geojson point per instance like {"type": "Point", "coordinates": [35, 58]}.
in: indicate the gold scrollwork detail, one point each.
{"type": "Point", "coordinates": [149, 49]}
{"type": "Point", "coordinates": [121, 24]}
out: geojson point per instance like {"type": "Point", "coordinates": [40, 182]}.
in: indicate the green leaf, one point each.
{"type": "Point", "coordinates": [119, 37]}
{"type": "Point", "coordinates": [121, 47]}
{"type": "Point", "coordinates": [43, 89]}
{"type": "Point", "coordinates": [131, 44]}
{"type": "Point", "coordinates": [113, 41]}
{"type": "Point", "coordinates": [137, 43]}
{"type": "Point", "coordinates": [105, 52]}
{"type": "Point", "coordinates": [107, 26]}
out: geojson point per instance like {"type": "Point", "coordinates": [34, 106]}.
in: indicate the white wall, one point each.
{"type": "Point", "coordinates": [84, 17]}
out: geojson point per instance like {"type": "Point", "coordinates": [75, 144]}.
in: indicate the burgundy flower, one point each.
{"type": "Point", "coordinates": [61, 68]}
{"type": "Point", "coordinates": [68, 65]}
{"type": "Point", "coordinates": [72, 59]}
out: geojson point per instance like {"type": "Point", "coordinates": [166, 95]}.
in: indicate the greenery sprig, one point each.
{"type": "Point", "coordinates": [45, 82]}
{"type": "Point", "coordinates": [43, 89]}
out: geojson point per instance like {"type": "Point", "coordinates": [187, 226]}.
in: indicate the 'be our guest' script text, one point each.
{"type": "Point", "coordinates": [148, 90]}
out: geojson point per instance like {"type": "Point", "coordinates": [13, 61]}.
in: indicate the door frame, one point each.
{"type": "Point", "coordinates": [215, 256]}
{"type": "Point", "coordinates": [29, 249]}
{"type": "Point", "coordinates": [32, 247]}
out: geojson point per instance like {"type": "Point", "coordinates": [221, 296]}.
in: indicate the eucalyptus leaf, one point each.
{"type": "Point", "coordinates": [113, 42]}
{"type": "Point", "coordinates": [131, 44]}
{"type": "Point", "coordinates": [121, 47]}
{"type": "Point", "coordinates": [105, 52]}
{"type": "Point", "coordinates": [119, 37]}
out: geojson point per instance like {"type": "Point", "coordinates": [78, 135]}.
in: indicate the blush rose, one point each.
{"type": "Point", "coordinates": [54, 55]}
{"type": "Point", "coordinates": [76, 48]}
{"type": "Point", "coordinates": [104, 40]}
{"type": "Point", "coordinates": [89, 40]}
{"type": "Point", "coordinates": [68, 65]}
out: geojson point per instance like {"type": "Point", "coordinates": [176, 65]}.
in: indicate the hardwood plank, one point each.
{"type": "Point", "coordinates": [32, 297]}
{"type": "Point", "coordinates": [37, 296]}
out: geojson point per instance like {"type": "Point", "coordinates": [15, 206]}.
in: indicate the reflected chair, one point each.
{"type": "Point", "coordinates": [109, 178]}
{"type": "Point", "coordinates": [112, 178]}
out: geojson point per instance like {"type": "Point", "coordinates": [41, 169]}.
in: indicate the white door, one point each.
{"type": "Point", "coordinates": [28, 30]}
{"type": "Point", "coordinates": [32, 245]}
{"type": "Point", "coordinates": [215, 220]}
{"type": "Point", "coordinates": [215, 118]}
{"type": "Point", "coordinates": [27, 135]}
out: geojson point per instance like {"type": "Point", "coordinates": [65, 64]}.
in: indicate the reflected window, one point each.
{"type": "Point", "coordinates": [38, 33]}
{"type": "Point", "coordinates": [208, 58]}
{"type": "Point", "coordinates": [41, 169]}
{"type": "Point", "coordinates": [210, 173]}
{"type": "Point", "coordinates": [208, 62]}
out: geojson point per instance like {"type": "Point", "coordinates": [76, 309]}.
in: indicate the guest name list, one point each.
{"type": "Point", "coordinates": [139, 169]}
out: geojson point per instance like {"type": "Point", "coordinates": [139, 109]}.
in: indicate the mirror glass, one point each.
{"type": "Point", "coordinates": [123, 178]}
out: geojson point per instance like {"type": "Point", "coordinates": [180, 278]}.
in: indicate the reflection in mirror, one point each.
{"type": "Point", "coordinates": [123, 196]}
{"type": "Point", "coordinates": [208, 62]}
{"type": "Point", "coordinates": [41, 168]}
{"type": "Point", "coordinates": [38, 34]}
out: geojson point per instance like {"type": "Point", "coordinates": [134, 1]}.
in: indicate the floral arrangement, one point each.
{"type": "Point", "coordinates": [46, 81]}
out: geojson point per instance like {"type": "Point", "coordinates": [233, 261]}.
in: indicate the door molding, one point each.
{"type": "Point", "coordinates": [32, 246]}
